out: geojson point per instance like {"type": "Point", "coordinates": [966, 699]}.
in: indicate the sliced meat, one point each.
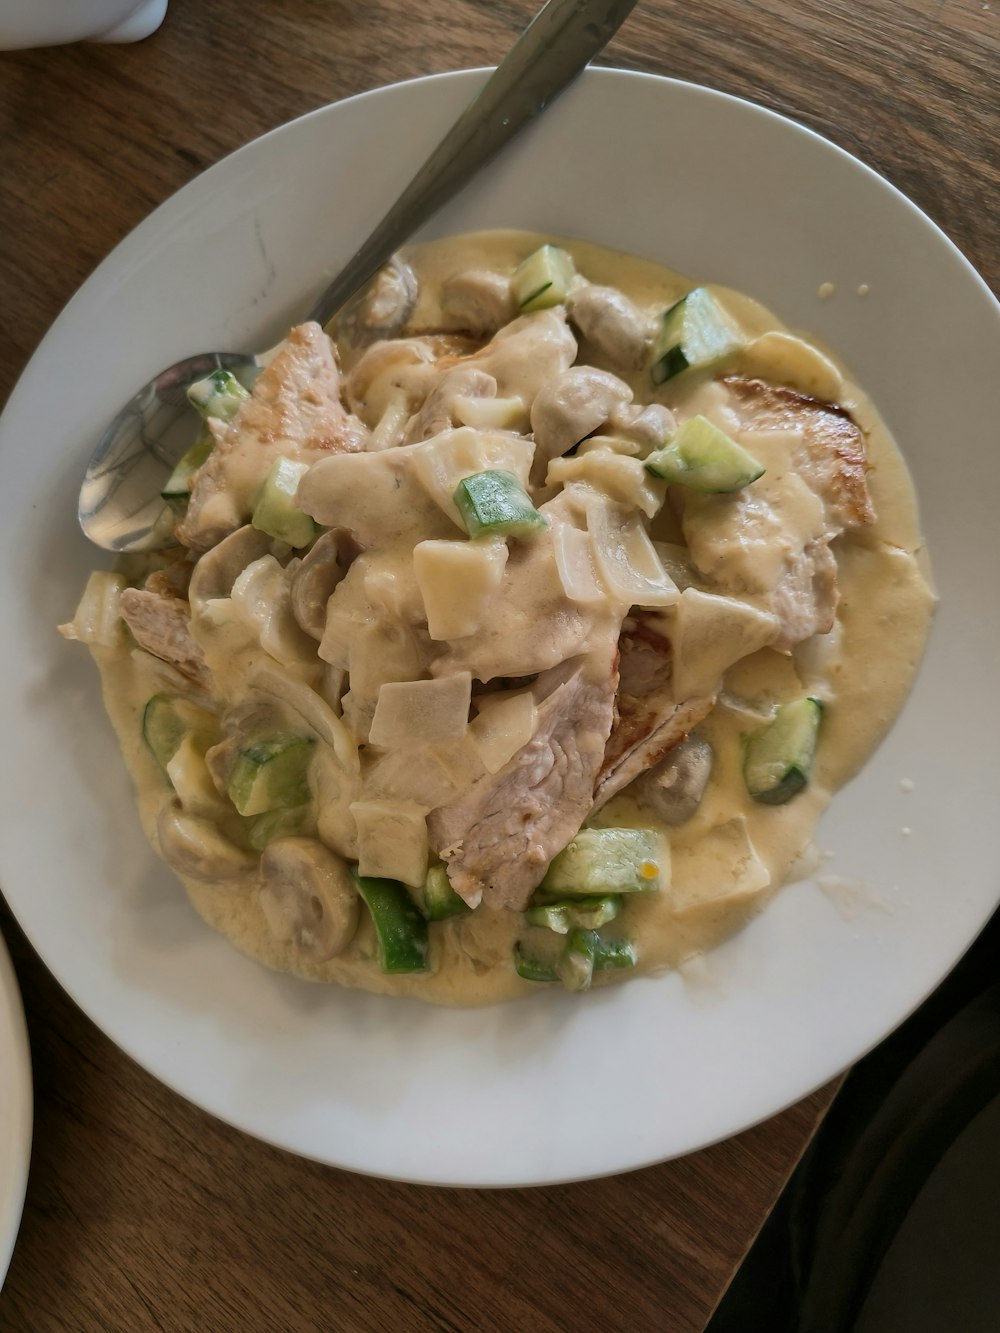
{"type": "Point", "coordinates": [649, 722]}
{"type": "Point", "coordinates": [162, 625]}
{"type": "Point", "coordinates": [805, 601]}
{"type": "Point", "coordinates": [570, 408]}
{"type": "Point", "coordinates": [612, 325]}
{"type": "Point", "coordinates": [772, 539]}
{"type": "Point", "coordinates": [499, 838]}
{"type": "Point", "coordinates": [477, 301]}
{"type": "Point", "coordinates": [832, 458]}
{"type": "Point", "coordinates": [294, 411]}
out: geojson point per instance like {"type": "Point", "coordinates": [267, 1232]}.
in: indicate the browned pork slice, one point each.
{"type": "Point", "coordinates": [649, 721]}
{"type": "Point", "coordinates": [831, 459]}
{"type": "Point", "coordinates": [294, 412]}
{"type": "Point", "coordinates": [498, 839]}
{"type": "Point", "coordinates": [162, 625]}
{"type": "Point", "coordinates": [772, 539]}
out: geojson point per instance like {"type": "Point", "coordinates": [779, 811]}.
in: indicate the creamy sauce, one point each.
{"type": "Point", "coordinates": [731, 857]}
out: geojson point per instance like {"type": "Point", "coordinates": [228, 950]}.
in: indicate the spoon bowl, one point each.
{"type": "Point", "coordinates": [121, 507]}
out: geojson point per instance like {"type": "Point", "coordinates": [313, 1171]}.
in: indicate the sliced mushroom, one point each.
{"type": "Point", "coordinates": [650, 425]}
{"type": "Point", "coordinates": [219, 568]}
{"type": "Point", "coordinates": [612, 325]}
{"type": "Point", "coordinates": [674, 789]}
{"type": "Point", "coordinates": [477, 301]}
{"type": "Point", "coordinates": [198, 849]}
{"type": "Point", "coordinates": [321, 570]}
{"type": "Point", "coordinates": [308, 897]}
{"type": "Point", "coordinates": [381, 309]}
{"type": "Point", "coordinates": [571, 407]}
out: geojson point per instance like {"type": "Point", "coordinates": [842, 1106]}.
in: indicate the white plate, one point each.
{"type": "Point", "coordinates": [15, 1109]}
{"type": "Point", "coordinates": [560, 1086]}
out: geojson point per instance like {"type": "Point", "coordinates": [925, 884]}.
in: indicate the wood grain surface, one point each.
{"type": "Point", "coordinates": [142, 1212]}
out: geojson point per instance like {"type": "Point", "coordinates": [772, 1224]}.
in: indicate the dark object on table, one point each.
{"type": "Point", "coordinates": [899, 1110]}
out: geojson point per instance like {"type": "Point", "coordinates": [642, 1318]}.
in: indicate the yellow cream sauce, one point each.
{"type": "Point", "coordinates": [733, 854]}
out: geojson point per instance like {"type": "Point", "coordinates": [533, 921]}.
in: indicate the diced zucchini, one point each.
{"type": "Point", "coordinates": [495, 503]}
{"type": "Point", "coordinates": [586, 952]}
{"type": "Point", "coordinates": [166, 720]}
{"type": "Point", "coordinates": [695, 334]}
{"type": "Point", "coordinates": [401, 930]}
{"type": "Point", "coordinates": [279, 823]}
{"type": "Point", "coordinates": [575, 968]}
{"type": "Point", "coordinates": [270, 774]}
{"type": "Point", "coordinates": [602, 861]}
{"type": "Point", "coordinates": [178, 484]}
{"type": "Point", "coordinates": [779, 757]}
{"type": "Point", "coordinates": [613, 955]}
{"type": "Point", "coordinates": [704, 458]}
{"type": "Point", "coordinates": [440, 900]}
{"type": "Point", "coordinates": [543, 279]}
{"type": "Point", "coordinates": [533, 969]}
{"type": "Point", "coordinates": [217, 395]}
{"type": "Point", "coordinates": [571, 913]}
{"type": "Point", "coordinates": [275, 511]}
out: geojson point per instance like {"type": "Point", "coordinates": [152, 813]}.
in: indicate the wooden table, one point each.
{"type": "Point", "coordinates": [142, 1212]}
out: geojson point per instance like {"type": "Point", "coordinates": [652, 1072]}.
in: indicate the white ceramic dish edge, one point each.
{"type": "Point", "coordinates": [15, 1110]}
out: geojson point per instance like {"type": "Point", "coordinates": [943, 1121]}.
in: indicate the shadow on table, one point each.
{"type": "Point", "coordinates": [900, 1109]}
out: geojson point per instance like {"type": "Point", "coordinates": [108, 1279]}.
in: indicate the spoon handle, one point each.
{"type": "Point", "coordinates": [551, 51]}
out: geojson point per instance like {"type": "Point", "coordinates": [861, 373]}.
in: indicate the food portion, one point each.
{"type": "Point", "coordinates": [519, 627]}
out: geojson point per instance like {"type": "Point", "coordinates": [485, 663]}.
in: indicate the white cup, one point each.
{"type": "Point", "coordinates": [55, 22]}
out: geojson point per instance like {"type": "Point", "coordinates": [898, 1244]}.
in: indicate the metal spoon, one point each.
{"type": "Point", "coordinates": [120, 505]}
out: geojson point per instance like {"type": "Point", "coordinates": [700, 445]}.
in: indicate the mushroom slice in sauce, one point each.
{"type": "Point", "coordinates": [218, 569]}
{"type": "Point", "coordinates": [673, 790]}
{"type": "Point", "coordinates": [477, 301]}
{"type": "Point", "coordinates": [198, 849]}
{"type": "Point", "coordinates": [308, 897]}
{"type": "Point", "coordinates": [573, 406]}
{"type": "Point", "coordinates": [322, 568]}
{"type": "Point", "coordinates": [612, 325]}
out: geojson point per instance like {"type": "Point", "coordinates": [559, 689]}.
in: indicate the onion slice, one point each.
{"type": "Point", "coordinates": [574, 556]}
{"type": "Point", "coordinates": [421, 712]}
{"type": "Point", "coordinates": [625, 556]}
